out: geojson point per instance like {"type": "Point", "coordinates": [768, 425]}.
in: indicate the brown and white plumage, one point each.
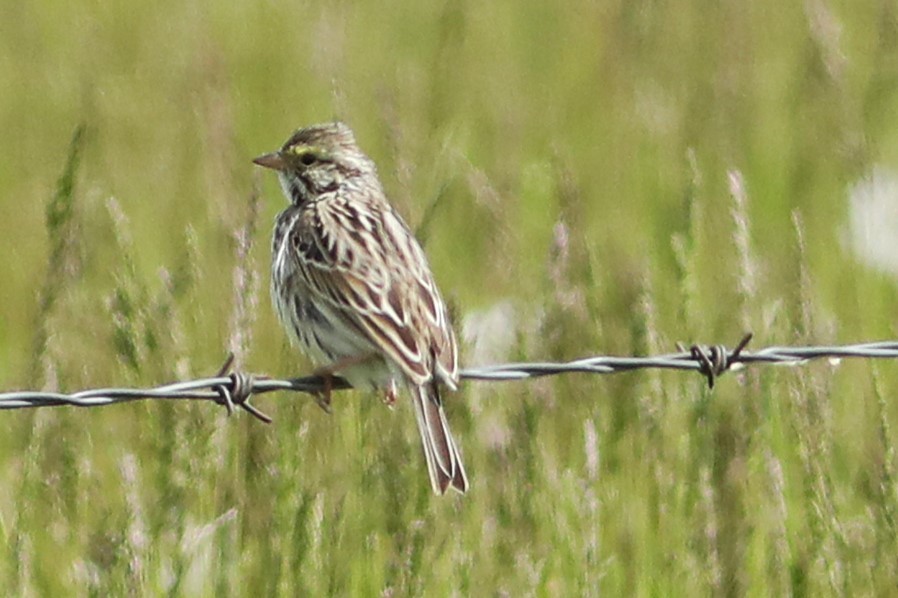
{"type": "Point", "coordinates": [352, 285]}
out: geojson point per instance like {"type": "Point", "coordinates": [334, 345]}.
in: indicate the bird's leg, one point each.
{"type": "Point", "coordinates": [390, 394]}
{"type": "Point", "coordinates": [327, 373]}
{"type": "Point", "coordinates": [323, 399]}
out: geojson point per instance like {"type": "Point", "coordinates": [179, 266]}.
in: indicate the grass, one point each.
{"type": "Point", "coordinates": [609, 178]}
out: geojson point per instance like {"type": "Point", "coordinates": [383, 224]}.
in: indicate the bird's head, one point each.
{"type": "Point", "coordinates": [316, 160]}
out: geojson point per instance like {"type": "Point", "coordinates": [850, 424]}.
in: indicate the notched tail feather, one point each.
{"type": "Point", "coordinates": [443, 459]}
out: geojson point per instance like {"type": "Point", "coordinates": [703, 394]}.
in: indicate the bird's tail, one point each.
{"type": "Point", "coordinates": [443, 460]}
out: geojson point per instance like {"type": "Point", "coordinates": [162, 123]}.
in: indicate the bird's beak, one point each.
{"type": "Point", "coordinates": [274, 160]}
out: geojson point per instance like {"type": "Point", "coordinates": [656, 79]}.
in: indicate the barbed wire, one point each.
{"type": "Point", "coordinates": [234, 389]}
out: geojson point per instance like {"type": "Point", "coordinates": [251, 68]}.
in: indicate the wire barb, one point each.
{"type": "Point", "coordinates": [222, 389]}
{"type": "Point", "coordinates": [714, 361]}
{"type": "Point", "coordinates": [239, 391]}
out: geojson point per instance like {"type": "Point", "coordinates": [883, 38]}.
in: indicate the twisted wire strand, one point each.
{"type": "Point", "coordinates": [234, 389]}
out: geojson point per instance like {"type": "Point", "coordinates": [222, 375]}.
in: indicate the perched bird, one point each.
{"type": "Point", "coordinates": [353, 289]}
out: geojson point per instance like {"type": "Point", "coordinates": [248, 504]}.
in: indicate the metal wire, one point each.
{"type": "Point", "coordinates": [234, 389]}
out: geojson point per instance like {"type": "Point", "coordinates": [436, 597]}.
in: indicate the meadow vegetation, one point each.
{"type": "Point", "coordinates": [600, 178]}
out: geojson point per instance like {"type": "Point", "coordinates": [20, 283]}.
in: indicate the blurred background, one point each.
{"type": "Point", "coordinates": [603, 178]}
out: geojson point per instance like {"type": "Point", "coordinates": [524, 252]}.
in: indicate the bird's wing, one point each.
{"type": "Point", "coordinates": [362, 259]}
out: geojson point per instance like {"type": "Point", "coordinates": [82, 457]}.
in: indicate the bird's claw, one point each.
{"type": "Point", "coordinates": [323, 400]}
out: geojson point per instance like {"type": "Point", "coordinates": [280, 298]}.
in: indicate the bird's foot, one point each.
{"type": "Point", "coordinates": [390, 395]}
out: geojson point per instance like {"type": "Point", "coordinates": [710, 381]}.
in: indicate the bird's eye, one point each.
{"type": "Point", "coordinates": [307, 159]}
